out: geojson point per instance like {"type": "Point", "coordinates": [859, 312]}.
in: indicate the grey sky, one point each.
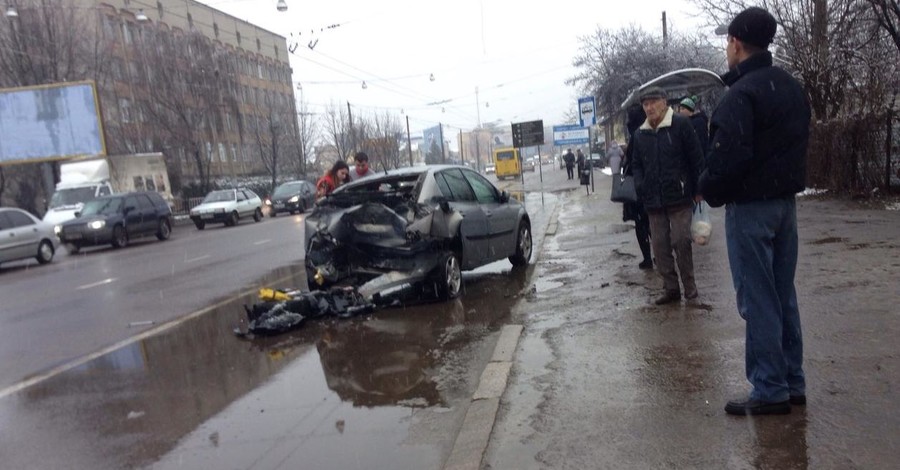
{"type": "Point", "coordinates": [517, 53]}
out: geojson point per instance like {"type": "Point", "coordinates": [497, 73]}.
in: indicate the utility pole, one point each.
{"type": "Point", "coordinates": [665, 32]}
{"type": "Point", "coordinates": [478, 132]}
{"type": "Point", "coordinates": [443, 151]}
{"type": "Point", "coordinates": [352, 134]}
{"type": "Point", "coordinates": [408, 141]}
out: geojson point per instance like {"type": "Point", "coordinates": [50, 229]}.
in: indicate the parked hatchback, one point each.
{"type": "Point", "coordinates": [24, 236]}
{"type": "Point", "coordinates": [116, 220]}
{"type": "Point", "coordinates": [227, 206]}
{"type": "Point", "coordinates": [291, 197]}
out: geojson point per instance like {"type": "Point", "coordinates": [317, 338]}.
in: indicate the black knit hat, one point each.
{"type": "Point", "coordinates": [753, 26]}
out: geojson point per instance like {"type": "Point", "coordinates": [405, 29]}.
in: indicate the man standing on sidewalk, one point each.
{"type": "Point", "coordinates": [756, 164]}
{"type": "Point", "coordinates": [667, 159]}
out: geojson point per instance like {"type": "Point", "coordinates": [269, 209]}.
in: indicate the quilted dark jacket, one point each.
{"type": "Point", "coordinates": [758, 136]}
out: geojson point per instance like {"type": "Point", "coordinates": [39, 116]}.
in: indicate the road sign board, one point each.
{"type": "Point", "coordinates": [570, 135]}
{"type": "Point", "coordinates": [528, 134]}
{"type": "Point", "coordinates": [586, 112]}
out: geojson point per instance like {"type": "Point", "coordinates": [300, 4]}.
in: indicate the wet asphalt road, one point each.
{"type": "Point", "coordinates": [387, 390]}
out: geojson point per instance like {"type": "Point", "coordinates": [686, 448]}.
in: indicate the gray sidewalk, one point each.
{"type": "Point", "coordinates": [602, 378]}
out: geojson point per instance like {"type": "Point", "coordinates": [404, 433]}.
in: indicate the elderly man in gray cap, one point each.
{"type": "Point", "coordinates": [667, 163]}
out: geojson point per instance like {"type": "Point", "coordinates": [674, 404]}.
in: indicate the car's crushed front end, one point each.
{"type": "Point", "coordinates": [380, 243]}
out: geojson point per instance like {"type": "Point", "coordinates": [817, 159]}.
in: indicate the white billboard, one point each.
{"type": "Point", "coordinates": [50, 122]}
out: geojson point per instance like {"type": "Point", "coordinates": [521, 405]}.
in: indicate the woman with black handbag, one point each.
{"type": "Point", "coordinates": [635, 210]}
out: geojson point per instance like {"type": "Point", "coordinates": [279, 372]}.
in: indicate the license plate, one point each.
{"type": "Point", "coordinates": [208, 216]}
{"type": "Point", "coordinates": [279, 205]}
{"type": "Point", "coordinates": [73, 236]}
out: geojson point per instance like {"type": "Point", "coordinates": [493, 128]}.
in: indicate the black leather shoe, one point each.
{"type": "Point", "coordinates": [750, 406]}
{"type": "Point", "coordinates": [646, 264]}
{"type": "Point", "coordinates": [798, 400]}
{"type": "Point", "coordinates": [668, 297]}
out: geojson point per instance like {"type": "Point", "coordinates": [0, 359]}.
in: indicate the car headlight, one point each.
{"type": "Point", "coordinates": [268, 202]}
{"type": "Point", "coordinates": [294, 199]}
{"type": "Point", "coordinates": [97, 224]}
{"type": "Point", "coordinates": [57, 229]}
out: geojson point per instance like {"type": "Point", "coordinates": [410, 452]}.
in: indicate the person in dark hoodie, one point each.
{"type": "Point", "coordinates": [755, 166]}
{"type": "Point", "coordinates": [635, 210]}
{"type": "Point", "coordinates": [688, 108]}
{"type": "Point", "coordinates": [667, 162]}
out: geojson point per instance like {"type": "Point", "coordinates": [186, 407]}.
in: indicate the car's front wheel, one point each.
{"type": "Point", "coordinates": [120, 237]}
{"type": "Point", "coordinates": [45, 252]}
{"type": "Point", "coordinates": [164, 230]}
{"type": "Point", "coordinates": [523, 245]}
{"type": "Point", "coordinates": [257, 215]}
{"type": "Point", "coordinates": [447, 277]}
{"type": "Point", "coordinates": [232, 219]}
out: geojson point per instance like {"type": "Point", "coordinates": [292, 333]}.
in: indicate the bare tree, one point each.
{"type": "Point", "coordinates": [274, 133]}
{"type": "Point", "coordinates": [383, 135]}
{"type": "Point", "coordinates": [887, 13]}
{"type": "Point", "coordinates": [611, 63]}
{"type": "Point", "coordinates": [306, 137]}
{"type": "Point", "coordinates": [336, 127]}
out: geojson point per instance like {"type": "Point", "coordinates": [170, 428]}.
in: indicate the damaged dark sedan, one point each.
{"type": "Point", "coordinates": [414, 229]}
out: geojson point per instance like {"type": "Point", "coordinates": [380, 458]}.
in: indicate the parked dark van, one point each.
{"type": "Point", "coordinates": [117, 219]}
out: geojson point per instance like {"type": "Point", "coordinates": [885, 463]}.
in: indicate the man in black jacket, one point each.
{"type": "Point", "coordinates": [756, 164]}
{"type": "Point", "coordinates": [569, 158]}
{"type": "Point", "coordinates": [667, 159]}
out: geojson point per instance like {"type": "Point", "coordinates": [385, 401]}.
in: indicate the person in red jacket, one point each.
{"type": "Point", "coordinates": [336, 176]}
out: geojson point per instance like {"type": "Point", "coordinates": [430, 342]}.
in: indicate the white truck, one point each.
{"type": "Point", "coordinates": [84, 180]}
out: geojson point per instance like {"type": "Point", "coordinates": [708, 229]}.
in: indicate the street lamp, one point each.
{"type": "Point", "coordinates": [141, 17]}
{"type": "Point", "coordinates": [11, 12]}
{"type": "Point", "coordinates": [282, 5]}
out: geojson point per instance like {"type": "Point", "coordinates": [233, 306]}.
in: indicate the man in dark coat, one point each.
{"type": "Point", "coordinates": [569, 158]}
{"type": "Point", "coordinates": [755, 166]}
{"type": "Point", "coordinates": [667, 160]}
{"type": "Point", "coordinates": [688, 107]}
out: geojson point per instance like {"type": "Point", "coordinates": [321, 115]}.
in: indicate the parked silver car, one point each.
{"type": "Point", "coordinates": [416, 226]}
{"type": "Point", "coordinates": [24, 236]}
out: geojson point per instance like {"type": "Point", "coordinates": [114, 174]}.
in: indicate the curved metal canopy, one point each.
{"type": "Point", "coordinates": [679, 83]}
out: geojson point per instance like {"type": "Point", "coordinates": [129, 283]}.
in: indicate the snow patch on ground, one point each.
{"type": "Point", "coordinates": [606, 171]}
{"type": "Point", "coordinates": [893, 206]}
{"type": "Point", "coordinates": [812, 192]}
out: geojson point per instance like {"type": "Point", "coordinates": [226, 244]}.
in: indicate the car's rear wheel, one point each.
{"type": "Point", "coordinates": [163, 230]}
{"type": "Point", "coordinates": [447, 277]}
{"type": "Point", "coordinates": [302, 207]}
{"type": "Point", "coordinates": [232, 220]}
{"type": "Point", "coordinates": [200, 225]}
{"type": "Point", "coordinates": [257, 215]}
{"type": "Point", "coordinates": [45, 252]}
{"type": "Point", "coordinates": [523, 245]}
{"type": "Point", "coordinates": [120, 237]}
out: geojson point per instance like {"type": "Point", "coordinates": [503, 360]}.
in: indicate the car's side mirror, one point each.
{"type": "Point", "coordinates": [442, 203]}
{"type": "Point", "coordinates": [504, 197]}
{"type": "Point", "coordinates": [77, 214]}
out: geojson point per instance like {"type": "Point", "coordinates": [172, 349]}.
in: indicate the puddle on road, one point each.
{"type": "Point", "coordinates": [360, 380]}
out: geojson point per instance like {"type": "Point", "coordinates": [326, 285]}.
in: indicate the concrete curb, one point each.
{"type": "Point", "coordinates": [473, 437]}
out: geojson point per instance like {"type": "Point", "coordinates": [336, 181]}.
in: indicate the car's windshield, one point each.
{"type": "Point", "coordinates": [220, 196]}
{"type": "Point", "coordinates": [287, 188]}
{"type": "Point", "coordinates": [71, 196]}
{"type": "Point", "coordinates": [102, 206]}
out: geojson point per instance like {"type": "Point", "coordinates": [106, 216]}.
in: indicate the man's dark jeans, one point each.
{"type": "Point", "coordinates": [762, 251]}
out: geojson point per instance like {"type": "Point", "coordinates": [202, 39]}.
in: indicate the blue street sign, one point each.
{"type": "Point", "coordinates": [570, 135]}
{"type": "Point", "coordinates": [586, 113]}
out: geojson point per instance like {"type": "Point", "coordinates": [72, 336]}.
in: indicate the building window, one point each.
{"type": "Point", "coordinates": [159, 9]}
{"type": "Point", "coordinates": [238, 35]}
{"type": "Point", "coordinates": [209, 155]}
{"type": "Point", "coordinates": [234, 154]}
{"type": "Point", "coordinates": [190, 21]}
{"type": "Point", "coordinates": [125, 109]}
{"type": "Point", "coordinates": [126, 32]}
{"type": "Point", "coordinates": [276, 51]}
{"type": "Point", "coordinates": [258, 45]}
{"type": "Point", "coordinates": [223, 154]}
{"type": "Point", "coordinates": [216, 30]}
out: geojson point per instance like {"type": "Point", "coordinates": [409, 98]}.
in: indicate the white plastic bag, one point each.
{"type": "Point", "coordinates": [701, 226]}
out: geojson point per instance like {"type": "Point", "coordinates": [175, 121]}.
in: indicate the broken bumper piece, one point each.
{"type": "Point", "coordinates": [293, 308]}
